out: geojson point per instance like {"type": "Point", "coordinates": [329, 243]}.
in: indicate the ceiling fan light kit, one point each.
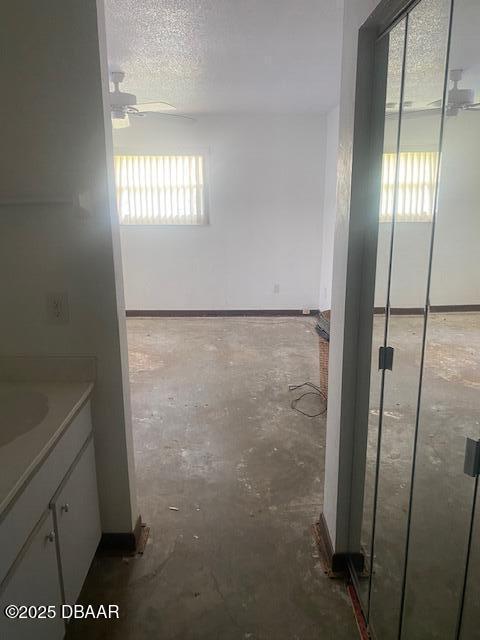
{"type": "Point", "coordinates": [120, 121]}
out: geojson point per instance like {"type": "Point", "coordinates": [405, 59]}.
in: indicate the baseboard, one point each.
{"type": "Point", "coordinates": [335, 565]}
{"type": "Point", "coordinates": [121, 543]}
{"type": "Point", "coordinates": [419, 311]}
{"type": "Point", "coordinates": [212, 313]}
{"type": "Point", "coordinates": [400, 311]}
{"type": "Point", "coordinates": [459, 308]}
{"type": "Point", "coordinates": [225, 313]}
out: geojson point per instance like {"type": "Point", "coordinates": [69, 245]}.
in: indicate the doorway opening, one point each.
{"type": "Point", "coordinates": [221, 117]}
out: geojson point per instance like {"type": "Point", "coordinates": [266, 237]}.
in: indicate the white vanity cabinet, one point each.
{"type": "Point", "coordinates": [34, 580]}
{"type": "Point", "coordinates": [77, 523]}
{"type": "Point", "coordinates": [50, 531]}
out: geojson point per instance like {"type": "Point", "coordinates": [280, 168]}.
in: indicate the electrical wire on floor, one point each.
{"type": "Point", "coordinates": [316, 392]}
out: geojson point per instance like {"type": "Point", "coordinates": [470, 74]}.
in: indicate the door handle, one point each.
{"type": "Point", "coordinates": [471, 466]}
{"type": "Point", "coordinates": [385, 358]}
{"type": "Point", "coordinates": [51, 536]}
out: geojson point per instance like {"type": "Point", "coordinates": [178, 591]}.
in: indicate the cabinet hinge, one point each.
{"type": "Point", "coordinates": [472, 458]}
{"type": "Point", "coordinates": [385, 358]}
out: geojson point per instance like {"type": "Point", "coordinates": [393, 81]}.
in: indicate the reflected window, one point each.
{"type": "Point", "coordinates": [417, 177]}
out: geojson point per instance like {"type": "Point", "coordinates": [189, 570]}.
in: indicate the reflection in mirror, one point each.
{"type": "Point", "coordinates": [442, 497]}
{"type": "Point", "coordinates": [469, 621]}
{"type": "Point", "coordinates": [411, 210]}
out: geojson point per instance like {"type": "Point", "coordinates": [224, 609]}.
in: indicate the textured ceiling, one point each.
{"type": "Point", "coordinates": [224, 56]}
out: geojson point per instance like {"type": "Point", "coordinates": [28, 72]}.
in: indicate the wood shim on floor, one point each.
{"type": "Point", "coordinates": [142, 538]}
{"type": "Point", "coordinates": [358, 613]}
{"type": "Point", "coordinates": [323, 553]}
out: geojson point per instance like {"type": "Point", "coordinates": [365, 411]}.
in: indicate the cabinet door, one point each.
{"type": "Point", "coordinates": [34, 580]}
{"type": "Point", "coordinates": [78, 523]}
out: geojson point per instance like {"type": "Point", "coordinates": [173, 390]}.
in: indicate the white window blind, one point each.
{"type": "Point", "coordinates": [160, 189]}
{"type": "Point", "coordinates": [417, 178]}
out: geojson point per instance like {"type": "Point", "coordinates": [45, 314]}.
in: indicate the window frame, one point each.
{"type": "Point", "coordinates": [204, 152]}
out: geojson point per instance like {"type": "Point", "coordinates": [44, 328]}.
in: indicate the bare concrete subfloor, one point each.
{"type": "Point", "coordinates": [215, 437]}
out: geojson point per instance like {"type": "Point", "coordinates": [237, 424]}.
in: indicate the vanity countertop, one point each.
{"type": "Point", "coordinates": [33, 417]}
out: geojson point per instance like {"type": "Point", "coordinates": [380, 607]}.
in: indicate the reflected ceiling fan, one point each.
{"type": "Point", "coordinates": [458, 100]}
{"type": "Point", "coordinates": [123, 105]}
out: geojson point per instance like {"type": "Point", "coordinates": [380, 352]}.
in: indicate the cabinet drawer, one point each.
{"type": "Point", "coordinates": [77, 520]}
{"type": "Point", "coordinates": [34, 580]}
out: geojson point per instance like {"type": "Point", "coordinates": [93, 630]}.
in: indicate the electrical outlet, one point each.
{"type": "Point", "coordinates": [276, 288]}
{"type": "Point", "coordinates": [57, 308]}
{"type": "Point", "coordinates": [306, 312]}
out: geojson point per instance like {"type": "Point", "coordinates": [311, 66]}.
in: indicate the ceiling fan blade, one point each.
{"type": "Point", "coordinates": [167, 115]}
{"type": "Point", "coordinates": [422, 112]}
{"type": "Point", "coordinates": [133, 111]}
{"type": "Point", "coordinates": [436, 103]}
{"type": "Point", "coordinates": [474, 106]}
{"type": "Point", "coordinates": [155, 106]}
{"type": "Point", "coordinates": [414, 113]}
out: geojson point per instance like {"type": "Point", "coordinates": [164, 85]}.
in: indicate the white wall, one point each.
{"type": "Point", "coordinates": [53, 142]}
{"type": "Point", "coordinates": [340, 430]}
{"type": "Point", "coordinates": [266, 195]}
{"type": "Point", "coordinates": [329, 209]}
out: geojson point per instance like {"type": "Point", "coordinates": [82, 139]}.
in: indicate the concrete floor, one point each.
{"type": "Point", "coordinates": [216, 438]}
{"type": "Point", "coordinates": [443, 494]}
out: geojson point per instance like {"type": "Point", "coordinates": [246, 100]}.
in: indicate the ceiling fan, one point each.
{"type": "Point", "coordinates": [458, 100]}
{"type": "Point", "coordinates": [123, 105]}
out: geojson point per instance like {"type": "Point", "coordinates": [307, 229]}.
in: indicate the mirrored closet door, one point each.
{"type": "Point", "coordinates": [421, 529]}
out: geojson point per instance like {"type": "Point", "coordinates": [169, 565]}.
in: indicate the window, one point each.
{"type": "Point", "coordinates": [160, 189]}
{"type": "Point", "coordinates": [417, 178]}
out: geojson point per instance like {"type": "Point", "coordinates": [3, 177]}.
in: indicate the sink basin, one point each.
{"type": "Point", "coordinates": [20, 411]}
